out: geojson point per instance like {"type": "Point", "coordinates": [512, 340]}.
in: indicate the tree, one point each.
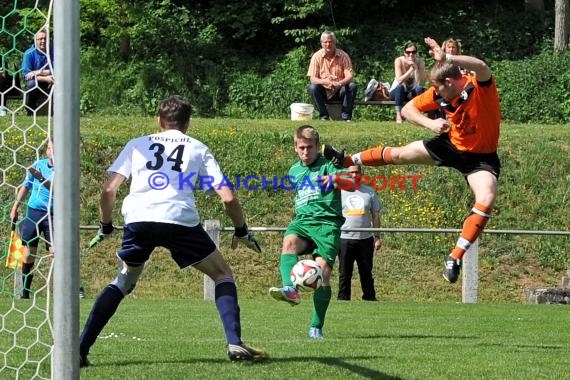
{"type": "Point", "coordinates": [561, 21]}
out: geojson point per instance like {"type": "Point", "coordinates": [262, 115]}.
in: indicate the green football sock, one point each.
{"type": "Point", "coordinates": [321, 301]}
{"type": "Point", "coordinates": [286, 263]}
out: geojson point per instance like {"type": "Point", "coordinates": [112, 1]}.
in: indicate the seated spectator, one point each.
{"type": "Point", "coordinates": [409, 72]}
{"type": "Point", "coordinates": [37, 72]}
{"type": "Point", "coordinates": [331, 76]}
{"type": "Point", "coordinates": [453, 47]}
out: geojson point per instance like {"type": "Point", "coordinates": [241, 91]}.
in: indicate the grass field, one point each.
{"type": "Point", "coordinates": [175, 339]}
{"type": "Point", "coordinates": [178, 339]}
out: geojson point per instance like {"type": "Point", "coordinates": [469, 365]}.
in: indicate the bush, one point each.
{"type": "Point", "coordinates": [535, 89]}
{"type": "Point", "coordinates": [130, 88]}
{"type": "Point", "coordinates": [251, 95]}
{"type": "Point", "coordinates": [255, 65]}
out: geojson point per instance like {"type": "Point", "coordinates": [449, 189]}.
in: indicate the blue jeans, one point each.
{"type": "Point", "coordinates": [346, 94]}
{"type": "Point", "coordinates": [400, 95]}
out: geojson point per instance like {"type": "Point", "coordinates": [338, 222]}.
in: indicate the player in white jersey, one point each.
{"type": "Point", "coordinates": [160, 210]}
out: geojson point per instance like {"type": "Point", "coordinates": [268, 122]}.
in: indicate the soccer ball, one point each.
{"type": "Point", "coordinates": [307, 275]}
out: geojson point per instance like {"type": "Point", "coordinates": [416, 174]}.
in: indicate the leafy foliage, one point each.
{"type": "Point", "coordinates": [536, 88]}
{"type": "Point", "coordinates": [226, 59]}
{"type": "Point", "coordinates": [251, 95]}
{"type": "Point", "coordinates": [250, 59]}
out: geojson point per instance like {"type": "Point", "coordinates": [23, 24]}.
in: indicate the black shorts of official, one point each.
{"type": "Point", "coordinates": [444, 153]}
{"type": "Point", "coordinates": [187, 245]}
{"type": "Point", "coordinates": [36, 222]}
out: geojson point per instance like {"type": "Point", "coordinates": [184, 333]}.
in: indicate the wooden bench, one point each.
{"type": "Point", "coordinates": [334, 106]}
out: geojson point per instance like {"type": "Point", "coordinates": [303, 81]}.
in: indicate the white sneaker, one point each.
{"type": "Point", "coordinates": [316, 333]}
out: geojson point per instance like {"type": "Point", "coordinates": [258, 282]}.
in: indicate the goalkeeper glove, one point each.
{"type": "Point", "coordinates": [105, 230]}
{"type": "Point", "coordinates": [335, 156]}
{"type": "Point", "coordinates": [243, 236]}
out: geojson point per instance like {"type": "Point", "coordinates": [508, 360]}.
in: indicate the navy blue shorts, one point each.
{"type": "Point", "coordinates": [36, 222]}
{"type": "Point", "coordinates": [187, 245]}
{"type": "Point", "coordinates": [442, 151]}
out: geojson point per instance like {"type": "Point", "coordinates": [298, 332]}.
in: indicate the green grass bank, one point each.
{"type": "Point", "coordinates": [534, 192]}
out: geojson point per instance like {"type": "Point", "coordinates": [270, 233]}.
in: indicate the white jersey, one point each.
{"type": "Point", "coordinates": [358, 208]}
{"type": "Point", "coordinates": [165, 167]}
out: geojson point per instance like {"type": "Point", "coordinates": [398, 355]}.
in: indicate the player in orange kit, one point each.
{"type": "Point", "coordinates": [466, 140]}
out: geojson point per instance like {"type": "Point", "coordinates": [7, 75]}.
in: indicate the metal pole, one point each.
{"type": "Point", "coordinates": [18, 285]}
{"type": "Point", "coordinates": [65, 359]}
{"type": "Point", "coordinates": [470, 269]}
{"type": "Point", "coordinates": [212, 227]}
{"type": "Point", "coordinates": [470, 284]}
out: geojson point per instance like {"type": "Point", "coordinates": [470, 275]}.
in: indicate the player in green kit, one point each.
{"type": "Point", "coordinates": [316, 227]}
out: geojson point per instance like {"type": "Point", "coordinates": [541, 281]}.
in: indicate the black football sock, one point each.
{"type": "Point", "coordinates": [27, 278]}
{"type": "Point", "coordinates": [228, 308]}
{"type": "Point", "coordinates": [105, 306]}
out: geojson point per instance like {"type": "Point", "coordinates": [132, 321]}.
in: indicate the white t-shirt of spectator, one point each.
{"type": "Point", "coordinates": [166, 168]}
{"type": "Point", "coordinates": [357, 208]}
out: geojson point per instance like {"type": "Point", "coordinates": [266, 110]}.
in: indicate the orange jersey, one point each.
{"type": "Point", "coordinates": [475, 122]}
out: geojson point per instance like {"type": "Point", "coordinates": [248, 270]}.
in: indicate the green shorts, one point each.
{"type": "Point", "coordinates": [323, 238]}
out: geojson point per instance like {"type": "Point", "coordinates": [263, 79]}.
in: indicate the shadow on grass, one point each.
{"type": "Point", "coordinates": [367, 373]}
{"type": "Point", "coordinates": [414, 336]}
{"type": "Point", "coordinates": [364, 372]}
{"type": "Point", "coordinates": [525, 347]}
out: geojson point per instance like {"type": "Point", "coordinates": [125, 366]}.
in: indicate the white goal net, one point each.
{"type": "Point", "coordinates": [26, 333]}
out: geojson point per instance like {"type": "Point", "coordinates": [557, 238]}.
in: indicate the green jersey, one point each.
{"type": "Point", "coordinates": [314, 202]}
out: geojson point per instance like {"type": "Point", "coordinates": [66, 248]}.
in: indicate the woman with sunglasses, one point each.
{"type": "Point", "coordinates": [409, 71]}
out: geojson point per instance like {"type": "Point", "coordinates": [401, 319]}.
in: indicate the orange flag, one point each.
{"type": "Point", "coordinates": [16, 250]}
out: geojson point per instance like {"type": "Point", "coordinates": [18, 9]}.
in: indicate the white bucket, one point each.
{"type": "Point", "coordinates": [302, 111]}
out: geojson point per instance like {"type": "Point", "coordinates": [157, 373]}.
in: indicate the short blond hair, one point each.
{"type": "Point", "coordinates": [307, 132]}
{"type": "Point", "coordinates": [440, 71]}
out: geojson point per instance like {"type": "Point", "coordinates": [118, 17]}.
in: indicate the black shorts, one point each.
{"type": "Point", "coordinates": [187, 245]}
{"type": "Point", "coordinates": [444, 153]}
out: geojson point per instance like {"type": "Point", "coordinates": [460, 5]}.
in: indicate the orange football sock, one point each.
{"type": "Point", "coordinates": [472, 228]}
{"type": "Point", "coordinates": [376, 156]}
